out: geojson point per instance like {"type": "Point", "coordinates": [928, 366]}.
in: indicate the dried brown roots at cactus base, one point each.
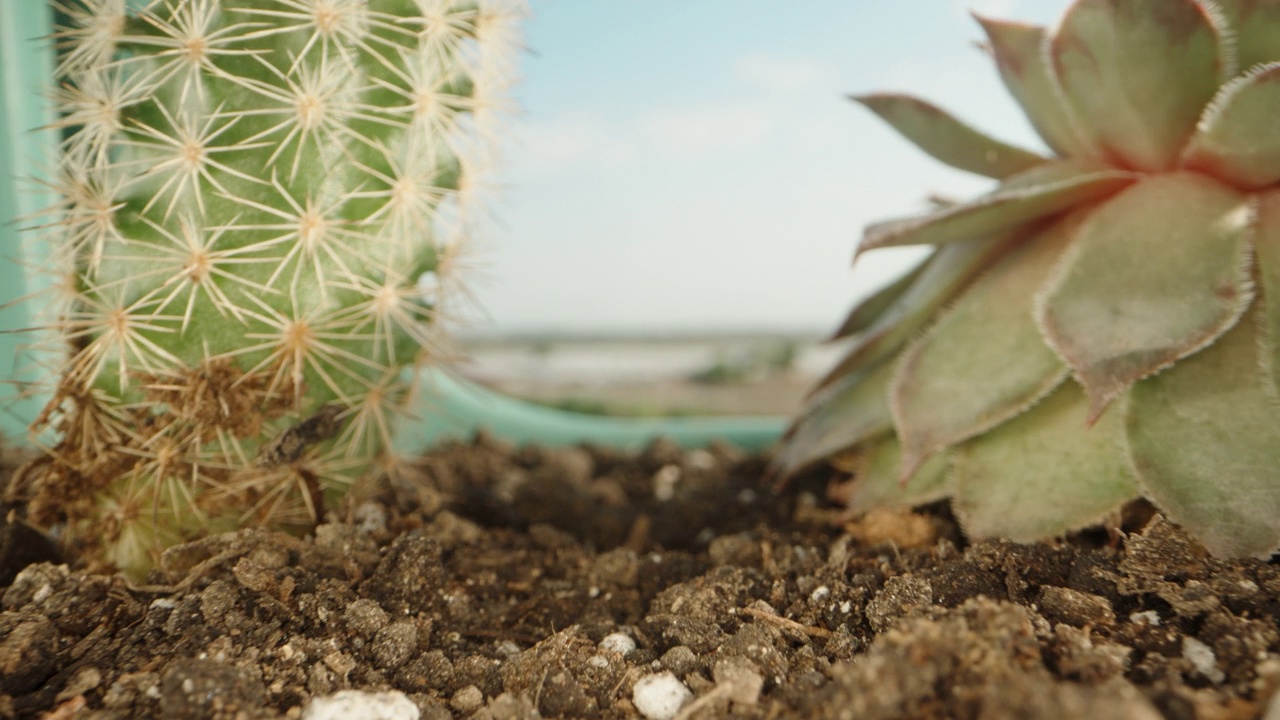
{"type": "Point", "coordinates": [216, 408]}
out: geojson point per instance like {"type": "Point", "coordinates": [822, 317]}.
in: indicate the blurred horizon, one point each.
{"type": "Point", "coordinates": [697, 168]}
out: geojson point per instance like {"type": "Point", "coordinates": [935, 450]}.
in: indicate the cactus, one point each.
{"type": "Point", "coordinates": [251, 194]}
{"type": "Point", "coordinates": [1104, 324]}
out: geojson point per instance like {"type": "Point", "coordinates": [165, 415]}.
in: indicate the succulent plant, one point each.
{"type": "Point", "coordinates": [251, 193]}
{"type": "Point", "coordinates": [1104, 324]}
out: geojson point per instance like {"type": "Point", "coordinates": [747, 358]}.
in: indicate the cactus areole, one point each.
{"type": "Point", "coordinates": [1104, 324]}
{"type": "Point", "coordinates": [251, 193]}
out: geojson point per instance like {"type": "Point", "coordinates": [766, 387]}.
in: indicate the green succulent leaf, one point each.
{"type": "Point", "coordinates": [865, 313]}
{"type": "Point", "coordinates": [877, 480]}
{"type": "Point", "coordinates": [947, 139]}
{"type": "Point", "coordinates": [985, 360]}
{"type": "Point", "coordinates": [1020, 54]}
{"type": "Point", "coordinates": [1046, 472]}
{"type": "Point", "coordinates": [1239, 137]}
{"type": "Point", "coordinates": [1138, 73]}
{"type": "Point", "coordinates": [1266, 244]}
{"type": "Point", "coordinates": [944, 275]}
{"type": "Point", "coordinates": [1024, 198]}
{"type": "Point", "coordinates": [1253, 25]}
{"type": "Point", "coordinates": [1155, 274]}
{"type": "Point", "coordinates": [1205, 444]}
{"type": "Point", "coordinates": [837, 417]}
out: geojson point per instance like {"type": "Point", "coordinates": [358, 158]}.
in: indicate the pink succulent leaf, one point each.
{"type": "Point", "coordinates": [1238, 139]}
{"type": "Point", "coordinates": [1153, 275]}
{"type": "Point", "coordinates": [1044, 473]}
{"type": "Point", "coordinates": [1020, 52]}
{"type": "Point", "coordinates": [1026, 197]}
{"type": "Point", "coordinates": [984, 361]}
{"type": "Point", "coordinates": [947, 139]}
{"type": "Point", "coordinates": [1266, 244]}
{"type": "Point", "coordinates": [942, 277]}
{"type": "Point", "coordinates": [865, 313]}
{"type": "Point", "coordinates": [1138, 73]}
{"type": "Point", "coordinates": [1205, 443]}
{"type": "Point", "coordinates": [841, 415]}
{"type": "Point", "coordinates": [877, 483]}
{"type": "Point", "coordinates": [1253, 24]}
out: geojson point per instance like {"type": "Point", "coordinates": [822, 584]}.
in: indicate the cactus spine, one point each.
{"type": "Point", "coordinates": [251, 191]}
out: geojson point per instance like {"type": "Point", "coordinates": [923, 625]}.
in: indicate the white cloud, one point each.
{"type": "Point", "coordinates": [988, 8]}
{"type": "Point", "coordinates": [705, 129]}
{"type": "Point", "coordinates": [577, 142]}
{"type": "Point", "coordinates": [569, 142]}
{"type": "Point", "coordinates": [782, 74]}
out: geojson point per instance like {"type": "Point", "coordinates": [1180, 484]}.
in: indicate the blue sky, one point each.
{"type": "Point", "coordinates": [694, 164]}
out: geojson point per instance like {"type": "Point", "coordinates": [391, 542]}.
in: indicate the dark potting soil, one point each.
{"type": "Point", "coordinates": [492, 582]}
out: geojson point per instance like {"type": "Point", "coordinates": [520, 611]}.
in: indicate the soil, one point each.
{"type": "Point", "coordinates": [492, 582]}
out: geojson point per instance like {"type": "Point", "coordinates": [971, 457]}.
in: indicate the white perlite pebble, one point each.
{"type": "Point", "coordinates": [360, 705]}
{"type": "Point", "coordinates": [1150, 617]}
{"type": "Point", "coordinates": [1202, 659]}
{"type": "Point", "coordinates": [659, 696]}
{"type": "Point", "coordinates": [620, 643]}
{"type": "Point", "coordinates": [700, 459]}
{"type": "Point", "coordinates": [371, 518]}
{"type": "Point", "coordinates": [664, 482]}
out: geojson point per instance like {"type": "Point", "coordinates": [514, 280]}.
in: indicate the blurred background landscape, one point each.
{"type": "Point", "coordinates": [651, 374]}
{"type": "Point", "coordinates": [683, 184]}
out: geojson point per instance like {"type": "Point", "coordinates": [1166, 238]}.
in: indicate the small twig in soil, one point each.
{"type": "Point", "coordinates": [787, 623]}
{"type": "Point", "coordinates": [199, 571]}
{"type": "Point", "coordinates": [717, 692]}
{"type": "Point", "coordinates": [766, 557]}
{"type": "Point", "coordinates": [638, 536]}
{"type": "Point", "coordinates": [630, 674]}
{"type": "Point", "coordinates": [537, 694]}
{"type": "Point", "coordinates": [67, 709]}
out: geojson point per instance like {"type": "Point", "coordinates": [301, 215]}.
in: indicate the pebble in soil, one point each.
{"type": "Point", "coordinates": [492, 582]}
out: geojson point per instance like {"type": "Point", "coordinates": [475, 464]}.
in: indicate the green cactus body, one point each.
{"type": "Point", "coordinates": [1104, 324]}
{"type": "Point", "coordinates": [251, 192]}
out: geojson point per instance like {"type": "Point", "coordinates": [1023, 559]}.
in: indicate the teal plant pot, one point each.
{"type": "Point", "coordinates": [26, 66]}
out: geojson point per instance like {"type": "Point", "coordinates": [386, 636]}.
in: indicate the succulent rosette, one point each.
{"type": "Point", "coordinates": [1104, 325]}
